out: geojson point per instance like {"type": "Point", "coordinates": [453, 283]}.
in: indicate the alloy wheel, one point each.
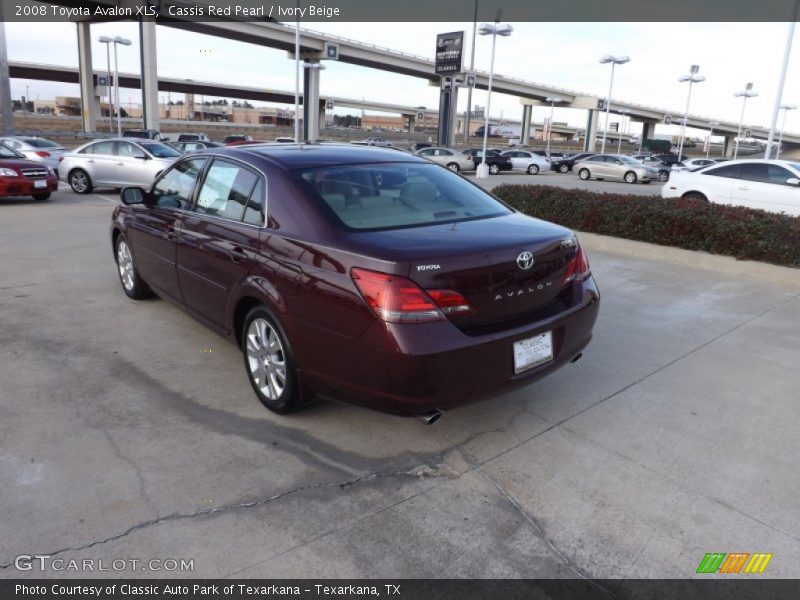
{"type": "Point", "coordinates": [125, 265]}
{"type": "Point", "coordinates": [266, 358]}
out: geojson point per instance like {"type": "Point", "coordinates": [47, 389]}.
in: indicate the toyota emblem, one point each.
{"type": "Point", "coordinates": [525, 260]}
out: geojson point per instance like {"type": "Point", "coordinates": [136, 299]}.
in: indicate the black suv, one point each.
{"type": "Point", "coordinates": [494, 159]}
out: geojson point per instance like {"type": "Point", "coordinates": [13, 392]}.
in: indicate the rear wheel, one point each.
{"type": "Point", "coordinates": [80, 182]}
{"type": "Point", "coordinates": [269, 363]}
{"type": "Point", "coordinates": [494, 169]}
{"type": "Point", "coordinates": [584, 174]}
{"type": "Point", "coordinates": [630, 177]}
{"type": "Point", "coordinates": [453, 167]}
{"type": "Point", "coordinates": [695, 197]}
{"type": "Point", "coordinates": [663, 176]}
{"type": "Point", "coordinates": [533, 169]}
{"type": "Point", "coordinates": [563, 169]}
{"type": "Point", "coordinates": [41, 196]}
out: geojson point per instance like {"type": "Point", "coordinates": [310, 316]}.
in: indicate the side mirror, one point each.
{"type": "Point", "coordinates": [141, 156]}
{"type": "Point", "coordinates": [793, 181]}
{"type": "Point", "coordinates": [132, 195]}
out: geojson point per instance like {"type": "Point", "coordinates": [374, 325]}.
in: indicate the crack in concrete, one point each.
{"type": "Point", "coordinates": [419, 471]}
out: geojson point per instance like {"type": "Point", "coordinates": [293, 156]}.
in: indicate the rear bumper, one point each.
{"type": "Point", "coordinates": [412, 368]}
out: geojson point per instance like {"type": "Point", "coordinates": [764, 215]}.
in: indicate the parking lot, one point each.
{"type": "Point", "coordinates": [128, 430]}
{"type": "Point", "coordinates": [569, 180]}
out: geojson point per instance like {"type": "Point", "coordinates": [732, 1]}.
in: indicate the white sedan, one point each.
{"type": "Point", "coordinates": [693, 163]}
{"type": "Point", "coordinates": [771, 185]}
{"type": "Point", "coordinates": [526, 161]}
{"type": "Point", "coordinates": [447, 157]}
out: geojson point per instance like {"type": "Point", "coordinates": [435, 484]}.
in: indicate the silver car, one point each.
{"type": "Point", "coordinates": [35, 148]}
{"type": "Point", "coordinates": [115, 163]}
{"type": "Point", "coordinates": [614, 166]}
{"type": "Point", "coordinates": [447, 157]}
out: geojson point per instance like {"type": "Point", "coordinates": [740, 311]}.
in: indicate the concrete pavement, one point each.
{"type": "Point", "coordinates": [128, 430]}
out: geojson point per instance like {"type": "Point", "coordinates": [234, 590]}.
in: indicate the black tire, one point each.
{"type": "Point", "coordinates": [563, 168]}
{"type": "Point", "coordinates": [454, 167]}
{"type": "Point", "coordinates": [630, 177]}
{"type": "Point", "coordinates": [133, 285]}
{"type": "Point", "coordinates": [42, 197]}
{"type": "Point", "coordinates": [584, 174]}
{"type": "Point", "coordinates": [663, 176]}
{"type": "Point", "coordinates": [533, 169]}
{"type": "Point", "coordinates": [695, 197]}
{"type": "Point", "coordinates": [79, 181]}
{"type": "Point", "coordinates": [254, 350]}
{"type": "Point", "coordinates": [494, 169]}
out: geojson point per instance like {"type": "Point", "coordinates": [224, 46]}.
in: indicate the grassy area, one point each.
{"type": "Point", "coordinates": [743, 233]}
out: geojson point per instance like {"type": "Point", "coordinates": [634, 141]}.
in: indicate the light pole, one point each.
{"type": "Point", "coordinates": [468, 118]}
{"type": "Point", "coordinates": [786, 108]}
{"type": "Point", "coordinates": [782, 78]}
{"type": "Point", "coordinates": [710, 133]}
{"type": "Point", "coordinates": [494, 30]}
{"type": "Point", "coordinates": [104, 39]}
{"type": "Point", "coordinates": [692, 77]}
{"type": "Point", "coordinates": [614, 60]}
{"type": "Point", "coordinates": [117, 41]}
{"type": "Point", "coordinates": [552, 102]}
{"type": "Point", "coordinates": [297, 76]}
{"type": "Point", "coordinates": [744, 95]}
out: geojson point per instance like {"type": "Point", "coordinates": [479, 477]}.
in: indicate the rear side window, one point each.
{"type": "Point", "coordinates": [99, 148]}
{"type": "Point", "coordinates": [252, 213]}
{"type": "Point", "coordinates": [396, 195]}
{"type": "Point", "coordinates": [226, 190]}
{"type": "Point", "coordinates": [731, 171]}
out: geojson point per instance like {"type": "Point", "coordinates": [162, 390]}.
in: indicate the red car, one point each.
{"type": "Point", "coordinates": [358, 273]}
{"type": "Point", "coordinates": [20, 176]}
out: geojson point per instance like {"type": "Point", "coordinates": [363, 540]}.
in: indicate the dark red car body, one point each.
{"type": "Point", "coordinates": [24, 183]}
{"type": "Point", "coordinates": [299, 265]}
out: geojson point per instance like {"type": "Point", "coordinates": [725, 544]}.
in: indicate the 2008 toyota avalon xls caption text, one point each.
{"type": "Point", "coordinates": [359, 274]}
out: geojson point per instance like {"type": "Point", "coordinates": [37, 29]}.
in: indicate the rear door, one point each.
{"type": "Point", "coordinates": [219, 238]}
{"type": "Point", "coordinates": [717, 183]}
{"type": "Point", "coordinates": [154, 230]}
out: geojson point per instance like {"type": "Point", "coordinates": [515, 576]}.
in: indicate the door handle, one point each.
{"type": "Point", "coordinates": [91, 160]}
{"type": "Point", "coordinates": [120, 163]}
{"type": "Point", "coordinates": [238, 254]}
{"type": "Point", "coordinates": [743, 187]}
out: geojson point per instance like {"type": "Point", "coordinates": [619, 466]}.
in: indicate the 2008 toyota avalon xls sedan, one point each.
{"type": "Point", "coordinates": [358, 274]}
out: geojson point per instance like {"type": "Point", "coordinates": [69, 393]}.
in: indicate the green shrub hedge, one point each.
{"type": "Point", "coordinates": [744, 233]}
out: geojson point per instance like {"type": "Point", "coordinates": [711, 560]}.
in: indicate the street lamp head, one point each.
{"type": "Point", "coordinates": [617, 60]}
{"type": "Point", "coordinates": [748, 93]}
{"type": "Point", "coordinates": [788, 106]}
{"type": "Point", "coordinates": [122, 40]}
{"type": "Point", "coordinates": [692, 78]}
{"type": "Point", "coordinates": [104, 39]}
{"type": "Point", "coordinates": [487, 29]}
{"type": "Point", "coordinates": [505, 29]}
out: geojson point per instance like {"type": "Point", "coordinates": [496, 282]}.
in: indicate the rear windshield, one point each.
{"type": "Point", "coordinates": [396, 195]}
{"type": "Point", "coordinates": [40, 143]}
{"type": "Point", "coordinates": [160, 150]}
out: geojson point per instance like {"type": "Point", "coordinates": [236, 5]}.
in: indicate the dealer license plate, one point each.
{"type": "Point", "coordinates": [40, 183]}
{"type": "Point", "coordinates": [533, 351]}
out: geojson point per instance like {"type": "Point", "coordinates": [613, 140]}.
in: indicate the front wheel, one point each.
{"type": "Point", "coordinates": [630, 177]}
{"type": "Point", "coordinates": [132, 284]}
{"type": "Point", "coordinates": [663, 176]}
{"type": "Point", "coordinates": [453, 167]}
{"type": "Point", "coordinates": [533, 169]}
{"type": "Point", "coordinates": [494, 169]}
{"type": "Point", "coordinates": [269, 363]}
{"type": "Point", "coordinates": [41, 196]}
{"type": "Point", "coordinates": [584, 174]}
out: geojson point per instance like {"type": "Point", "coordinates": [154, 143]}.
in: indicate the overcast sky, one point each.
{"type": "Point", "coordinates": [559, 54]}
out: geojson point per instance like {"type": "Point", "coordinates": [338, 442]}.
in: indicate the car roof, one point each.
{"type": "Point", "coordinates": [307, 156]}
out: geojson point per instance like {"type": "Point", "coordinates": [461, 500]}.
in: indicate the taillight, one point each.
{"type": "Point", "coordinates": [60, 158]}
{"type": "Point", "coordinates": [43, 154]}
{"type": "Point", "coordinates": [577, 269]}
{"type": "Point", "coordinates": [397, 300]}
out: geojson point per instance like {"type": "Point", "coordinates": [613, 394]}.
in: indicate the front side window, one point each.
{"type": "Point", "coordinates": [226, 190]}
{"type": "Point", "coordinates": [128, 150]}
{"type": "Point", "coordinates": [160, 150]}
{"type": "Point", "coordinates": [396, 195]}
{"type": "Point", "coordinates": [174, 189]}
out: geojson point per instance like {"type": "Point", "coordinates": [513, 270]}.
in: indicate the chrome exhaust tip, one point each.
{"type": "Point", "coordinates": [430, 417]}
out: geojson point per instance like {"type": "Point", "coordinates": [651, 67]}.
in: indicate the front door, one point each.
{"type": "Point", "coordinates": [154, 231]}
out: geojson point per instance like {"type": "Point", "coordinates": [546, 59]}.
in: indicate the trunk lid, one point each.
{"type": "Point", "coordinates": [483, 260]}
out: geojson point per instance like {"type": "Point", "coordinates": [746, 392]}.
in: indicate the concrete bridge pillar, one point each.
{"type": "Point", "coordinates": [90, 104]}
{"type": "Point", "coordinates": [149, 69]}
{"type": "Point", "coordinates": [590, 141]}
{"type": "Point", "coordinates": [648, 130]}
{"type": "Point", "coordinates": [728, 146]}
{"type": "Point", "coordinates": [527, 112]}
{"type": "Point", "coordinates": [311, 105]}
